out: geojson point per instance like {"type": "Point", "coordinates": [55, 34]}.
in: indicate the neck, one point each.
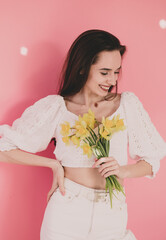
{"type": "Point", "coordinates": [88, 99]}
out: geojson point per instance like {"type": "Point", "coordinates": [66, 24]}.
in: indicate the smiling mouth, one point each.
{"type": "Point", "coordinates": [105, 88]}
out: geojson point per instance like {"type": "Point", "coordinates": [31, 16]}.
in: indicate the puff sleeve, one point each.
{"type": "Point", "coordinates": [33, 131]}
{"type": "Point", "coordinates": [145, 142]}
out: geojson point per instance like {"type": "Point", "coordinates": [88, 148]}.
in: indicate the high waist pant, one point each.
{"type": "Point", "coordinates": [85, 213]}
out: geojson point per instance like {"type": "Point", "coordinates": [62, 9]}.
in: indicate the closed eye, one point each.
{"type": "Point", "coordinates": [107, 73]}
{"type": "Point", "coordinates": [104, 73]}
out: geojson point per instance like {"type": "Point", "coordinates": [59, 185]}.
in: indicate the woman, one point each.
{"type": "Point", "coordinates": [78, 204]}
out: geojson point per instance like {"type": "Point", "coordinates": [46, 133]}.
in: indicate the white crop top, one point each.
{"type": "Point", "coordinates": [40, 122]}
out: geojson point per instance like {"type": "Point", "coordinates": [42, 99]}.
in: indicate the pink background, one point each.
{"type": "Point", "coordinates": [47, 29]}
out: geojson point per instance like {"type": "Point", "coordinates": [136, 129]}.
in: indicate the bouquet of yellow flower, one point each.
{"type": "Point", "coordinates": [94, 138]}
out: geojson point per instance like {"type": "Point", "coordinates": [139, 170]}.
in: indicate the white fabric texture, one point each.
{"type": "Point", "coordinates": [33, 131]}
{"type": "Point", "coordinates": [85, 214]}
{"type": "Point", "coordinates": [145, 142]}
{"type": "Point", "coordinates": [73, 156]}
{"type": "Point", "coordinates": [40, 122]}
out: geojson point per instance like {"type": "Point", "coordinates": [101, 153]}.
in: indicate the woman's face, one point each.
{"type": "Point", "coordinates": [104, 73]}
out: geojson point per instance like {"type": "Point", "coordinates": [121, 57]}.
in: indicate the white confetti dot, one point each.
{"type": "Point", "coordinates": [24, 51]}
{"type": "Point", "coordinates": [162, 23]}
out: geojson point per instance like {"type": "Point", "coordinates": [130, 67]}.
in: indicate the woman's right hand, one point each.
{"type": "Point", "coordinates": [58, 180]}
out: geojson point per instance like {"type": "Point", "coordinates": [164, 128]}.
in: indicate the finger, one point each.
{"type": "Point", "coordinates": [114, 172]}
{"type": "Point", "coordinates": [107, 169]}
{"type": "Point", "coordinates": [61, 184]}
{"type": "Point", "coordinates": [48, 197]}
{"type": "Point", "coordinates": [108, 164]}
{"type": "Point", "coordinates": [98, 162]}
{"type": "Point", "coordinates": [106, 159]}
{"type": "Point", "coordinates": [103, 160]}
{"type": "Point", "coordinates": [52, 190]}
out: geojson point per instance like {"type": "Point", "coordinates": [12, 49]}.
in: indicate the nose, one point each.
{"type": "Point", "coordinates": [112, 78]}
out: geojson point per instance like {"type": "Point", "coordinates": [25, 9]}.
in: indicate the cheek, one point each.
{"type": "Point", "coordinates": [89, 83]}
{"type": "Point", "coordinates": [93, 81]}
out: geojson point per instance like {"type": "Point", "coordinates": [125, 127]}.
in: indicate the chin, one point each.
{"type": "Point", "coordinates": [100, 93]}
{"type": "Point", "coordinates": [103, 94]}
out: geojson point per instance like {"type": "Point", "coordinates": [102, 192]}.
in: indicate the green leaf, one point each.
{"type": "Point", "coordinates": [92, 135]}
{"type": "Point", "coordinates": [93, 132]}
{"type": "Point", "coordinates": [102, 149]}
{"type": "Point", "coordinates": [91, 141]}
{"type": "Point", "coordinates": [106, 185]}
{"type": "Point", "coordinates": [113, 186]}
{"type": "Point", "coordinates": [97, 152]}
{"type": "Point", "coordinates": [107, 147]}
{"type": "Point", "coordinates": [119, 187]}
{"type": "Point", "coordinates": [88, 141]}
{"type": "Point", "coordinates": [110, 193]}
{"type": "Point", "coordinates": [98, 130]}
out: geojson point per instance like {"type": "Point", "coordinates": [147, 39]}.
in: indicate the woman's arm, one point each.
{"type": "Point", "coordinates": [20, 157]}
{"type": "Point", "coordinates": [138, 169]}
{"type": "Point", "coordinates": [111, 167]}
{"type": "Point", "coordinates": [145, 142]}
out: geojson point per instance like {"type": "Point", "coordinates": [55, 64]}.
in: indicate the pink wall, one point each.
{"type": "Point", "coordinates": [47, 29]}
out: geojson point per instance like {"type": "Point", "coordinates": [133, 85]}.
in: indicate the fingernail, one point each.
{"type": "Point", "coordinates": [63, 193]}
{"type": "Point", "coordinates": [93, 166]}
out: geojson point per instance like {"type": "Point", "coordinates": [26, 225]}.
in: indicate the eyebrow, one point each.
{"type": "Point", "coordinates": [108, 69]}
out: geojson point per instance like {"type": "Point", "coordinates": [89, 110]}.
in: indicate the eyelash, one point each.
{"type": "Point", "coordinates": [107, 73]}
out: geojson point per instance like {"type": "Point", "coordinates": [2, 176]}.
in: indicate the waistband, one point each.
{"type": "Point", "coordinates": [93, 194]}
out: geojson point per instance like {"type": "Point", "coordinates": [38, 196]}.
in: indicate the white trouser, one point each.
{"type": "Point", "coordinates": [85, 214]}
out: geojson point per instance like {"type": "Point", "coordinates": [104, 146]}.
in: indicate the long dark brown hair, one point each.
{"type": "Point", "coordinates": [81, 55]}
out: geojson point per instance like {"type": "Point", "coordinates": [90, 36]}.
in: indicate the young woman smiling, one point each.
{"type": "Point", "coordinates": [78, 205]}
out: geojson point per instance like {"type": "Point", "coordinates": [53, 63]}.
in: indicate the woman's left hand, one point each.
{"type": "Point", "coordinates": [109, 167]}
{"type": "Point", "coordinates": [58, 179]}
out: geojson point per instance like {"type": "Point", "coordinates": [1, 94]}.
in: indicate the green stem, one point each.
{"type": "Point", "coordinates": [95, 136]}
{"type": "Point", "coordinates": [87, 141]}
{"type": "Point", "coordinates": [91, 141]}
{"type": "Point", "coordinates": [102, 149]}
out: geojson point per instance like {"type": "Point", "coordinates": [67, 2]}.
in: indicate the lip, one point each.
{"type": "Point", "coordinates": [104, 85]}
{"type": "Point", "coordinates": [106, 90]}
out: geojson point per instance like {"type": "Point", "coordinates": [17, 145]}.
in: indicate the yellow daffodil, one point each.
{"type": "Point", "coordinates": [87, 149]}
{"type": "Point", "coordinates": [115, 119]}
{"type": "Point", "coordinates": [120, 125]}
{"type": "Point", "coordinates": [75, 140]}
{"type": "Point", "coordinates": [104, 133]}
{"type": "Point", "coordinates": [89, 118]}
{"type": "Point", "coordinates": [81, 128]}
{"type": "Point", "coordinates": [65, 129]}
{"type": "Point", "coordinates": [107, 123]}
{"type": "Point", "coordinates": [113, 125]}
{"type": "Point", "coordinates": [81, 121]}
{"type": "Point", "coordinates": [66, 140]}
{"type": "Point", "coordinates": [94, 140]}
{"type": "Point", "coordinates": [82, 132]}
